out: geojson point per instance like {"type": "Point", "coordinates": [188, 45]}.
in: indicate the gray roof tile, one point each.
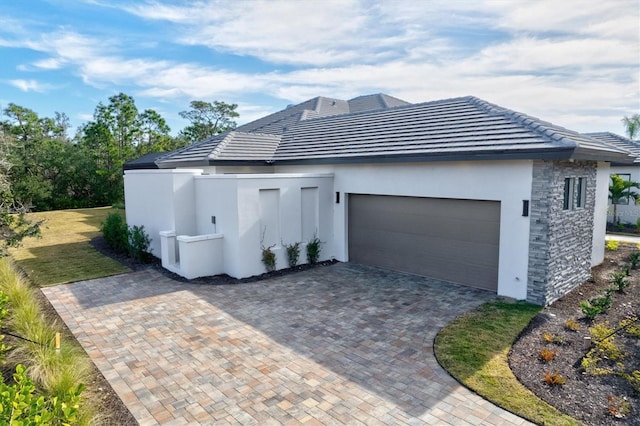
{"type": "Point", "coordinates": [630, 145]}
{"type": "Point", "coordinates": [328, 130]}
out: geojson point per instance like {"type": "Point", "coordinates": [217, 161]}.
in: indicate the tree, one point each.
{"type": "Point", "coordinates": [117, 134]}
{"type": "Point", "coordinates": [208, 120]}
{"type": "Point", "coordinates": [14, 225]}
{"type": "Point", "coordinates": [621, 191]}
{"type": "Point", "coordinates": [632, 126]}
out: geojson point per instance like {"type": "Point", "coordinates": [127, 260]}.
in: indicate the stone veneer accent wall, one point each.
{"type": "Point", "coordinates": [560, 241]}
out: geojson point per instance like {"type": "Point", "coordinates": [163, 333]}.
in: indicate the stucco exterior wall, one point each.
{"type": "Point", "coordinates": [506, 181]}
{"type": "Point", "coordinates": [561, 241]}
{"type": "Point", "coordinates": [600, 213]}
{"type": "Point", "coordinates": [235, 201]}
{"type": "Point", "coordinates": [160, 200]}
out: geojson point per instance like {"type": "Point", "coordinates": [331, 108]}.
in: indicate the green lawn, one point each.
{"type": "Point", "coordinates": [64, 253]}
{"type": "Point", "coordinates": [474, 349]}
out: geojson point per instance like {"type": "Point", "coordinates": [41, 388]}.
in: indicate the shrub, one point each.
{"type": "Point", "coordinates": [634, 258]}
{"type": "Point", "coordinates": [590, 311]}
{"type": "Point", "coordinates": [548, 337]}
{"type": "Point", "coordinates": [572, 325]}
{"type": "Point", "coordinates": [547, 355]}
{"type": "Point", "coordinates": [269, 259]}
{"type": "Point", "coordinates": [619, 281]}
{"type": "Point", "coordinates": [618, 407]}
{"type": "Point", "coordinates": [313, 250]}
{"type": "Point", "coordinates": [634, 379]}
{"type": "Point", "coordinates": [604, 341]}
{"type": "Point", "coordinates": [554, 379]}
{"type": "Point", "coordinates": [293, 253]}
{"type": "Point", "coordinates": [138, 244]}
{"type": "Point", "coordinates": [30, 408]}
{"type": "Point", "coordinates": [612, 245]}
{"type": "Point", "coordinates": [631, 326]}
{"type": "Point", "coordinates": [116, 233]}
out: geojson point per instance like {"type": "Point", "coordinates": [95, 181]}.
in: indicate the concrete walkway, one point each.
{"type": "Point", "coordinates": [343, 344]}
{"type": "Point", "coordinates": [623, 238]}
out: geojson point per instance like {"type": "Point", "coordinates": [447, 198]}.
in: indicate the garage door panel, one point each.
{"type": "Point", "coordinates": [455, 240]}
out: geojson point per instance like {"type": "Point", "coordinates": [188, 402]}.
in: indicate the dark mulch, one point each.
{"type": "Point", "coordinates": [584, 397]}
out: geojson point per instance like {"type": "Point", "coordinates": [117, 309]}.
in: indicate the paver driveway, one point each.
{"type": "Point", "coordinates": [343, 344]}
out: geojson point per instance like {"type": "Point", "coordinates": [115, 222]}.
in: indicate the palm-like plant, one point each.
{"type": "Point", "coordinates": [621, 191]}
{"type": "Point", "coordinates": [632, 125]}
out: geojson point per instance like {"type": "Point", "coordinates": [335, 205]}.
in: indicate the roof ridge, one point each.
{"type": "Point", "coordinates": [223, 143]}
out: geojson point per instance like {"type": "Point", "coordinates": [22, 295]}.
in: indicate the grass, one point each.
{"type": "Point", "coordinates": [57, 373]}
{"type": "Point", "coordinates": [474, 349]}
{"type": "Point", "coordinates": [64, 254]}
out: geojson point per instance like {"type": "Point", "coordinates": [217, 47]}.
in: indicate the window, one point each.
{"type": "Point", "coordinates": [568, 194]}
{"type": "Point", "coordinates": [581, 192]}
{"type": "Point", "coordinates": [624, 200]}
{"type": "Point", "coordinates": [575, 193]}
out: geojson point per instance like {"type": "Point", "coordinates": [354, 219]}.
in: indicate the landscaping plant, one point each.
{"type": "Point", "coordinates": [293, 253]}
{"type": "Point", "coordinates": [138, 244]}
{"type": "Point", "coordinates": [612, 245]}
{"type": "Point", "coordinates": [48, 383]}
{"type": "Point", "coordinates": [313, 250]}
{"type": "Point", "coordinates": [116, 233]}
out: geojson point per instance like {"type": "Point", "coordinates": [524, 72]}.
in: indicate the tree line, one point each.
{"type": "Point", "coordinates": [42, 167]}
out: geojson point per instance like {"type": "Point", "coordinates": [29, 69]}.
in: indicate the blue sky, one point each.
{"type": "Point", "coordinates": [575, 63]}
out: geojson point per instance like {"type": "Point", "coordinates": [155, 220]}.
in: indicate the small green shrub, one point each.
{"type": "Point", "coordinates": [619, 281]}
{"type": "Point", "coordinates": [293, 253]}
{"type": "Point", "coordinates": [116, 233]}
{"type": "Point", "coordinates": [634, 258]}
{"type": "Point", "coordinates": [612, 245]}
{"type": "Point", "coordinates": [313, 250]}
{"type": "Point", "coordinates": [138, 244]}
{"type": "Point", "coordinates": [269, 258]}
{"type": "Point", "coordinates": [28, 407]}
{"type": "Point", "coordinates": [590, 311]}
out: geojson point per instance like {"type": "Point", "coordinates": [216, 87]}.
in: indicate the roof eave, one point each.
{"type": "Point", "coordinates": [598, 155]}
{"type": "Point", "coordinates": [557, 154]}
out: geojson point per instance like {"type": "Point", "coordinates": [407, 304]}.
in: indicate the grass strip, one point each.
{"type": "Point", "coordinates": [64, 253]}
{"type": "Point", "coordinates": [57, 373]}
{"type": "Point", "coordinates": [474, 349]}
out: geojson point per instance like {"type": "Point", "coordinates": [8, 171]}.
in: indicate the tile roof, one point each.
{"type": "Point", "coordinates": [382, 128]}
{"type": "Point", "coordinates": [619, 141]}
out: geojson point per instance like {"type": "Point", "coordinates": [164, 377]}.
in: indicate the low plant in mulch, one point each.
{"type": "Point", "coordinates": [599, 358]}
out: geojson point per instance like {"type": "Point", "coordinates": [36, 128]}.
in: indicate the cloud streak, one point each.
{"type": "Point", "coordinates": [546, 58]}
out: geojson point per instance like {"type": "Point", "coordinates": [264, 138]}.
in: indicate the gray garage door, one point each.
{"type": "Point", "coordinates": [453, 240]}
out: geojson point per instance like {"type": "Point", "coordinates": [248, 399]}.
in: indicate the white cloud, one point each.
{"type": "Point", "coordinates": [30, 85]}
{"type": "Point", "coordinates": [543, 58]}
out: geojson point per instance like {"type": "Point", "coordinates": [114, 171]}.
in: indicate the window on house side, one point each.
{"type": "Point", "coordinates": [624, 200]}
{"type": "Point", "coordinates": [568, 194]}
{"type": "Point", "coordinates": [581, 192]}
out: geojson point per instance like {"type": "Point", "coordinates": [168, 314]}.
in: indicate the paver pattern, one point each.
{"type": "Point", "coordinates": [342, 344]}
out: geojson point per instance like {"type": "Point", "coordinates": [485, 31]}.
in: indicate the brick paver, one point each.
{"type": "Point", "coordinates": [344, 344]}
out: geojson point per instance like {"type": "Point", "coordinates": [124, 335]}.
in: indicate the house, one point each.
{"type": "Point", "coordinates": [458, 189]}
{"type": "Point", "coordinates": [627, 211]}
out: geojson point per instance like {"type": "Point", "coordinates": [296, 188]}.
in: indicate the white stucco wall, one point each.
{"type": "Point", "coordinates": [161, 200]}
{"type": "Point", "coordinates": [235, 202]}
{"type": "Point", "coordinates": [631, 212]}
{"type": "Point", "coordinates": [600, 214]}
{"type": "Point", "coordinates": [506, 181]}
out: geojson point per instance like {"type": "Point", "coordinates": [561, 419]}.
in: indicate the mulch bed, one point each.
{"type": "Point", "coordinates": [584, 397]}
